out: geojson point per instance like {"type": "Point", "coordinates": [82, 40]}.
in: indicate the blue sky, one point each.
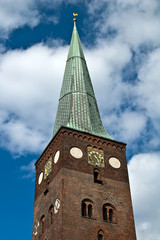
{"type": "Point", "coordinates": [121, 43]}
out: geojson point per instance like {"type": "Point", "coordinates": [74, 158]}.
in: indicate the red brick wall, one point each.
{"type": "Point", "coordinates": [71, 181]}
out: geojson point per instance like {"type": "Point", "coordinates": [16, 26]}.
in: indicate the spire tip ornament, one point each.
{"type": "Point", "coordinates": [75, 19]}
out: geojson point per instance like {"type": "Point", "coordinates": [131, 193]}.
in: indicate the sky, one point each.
{"type": "Point", "coordinates": [121, 43]}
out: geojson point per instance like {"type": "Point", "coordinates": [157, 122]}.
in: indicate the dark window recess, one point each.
{"type": "Point", "coordinates": [51, 213]}
{"type": "Point", "coordinates": [110, 214]}
{"type": "Point", "coordinates": [46, 191]}
{"type": "Point", "coordinates": [104, 213]}
{"type": "Point", "coordinates": [42, 222]}
{"type": "Point", "coordinates": [83, 209]}
{"type": "Point", "coordinates": [87, 208]}
{"type": "Point", "coordinates": [100, 237]}
{"type": "Point", "coordinates": [97, 176]}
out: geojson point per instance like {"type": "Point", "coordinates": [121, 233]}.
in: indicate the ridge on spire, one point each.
{"type": "Point", "coordinates": [77, 106]}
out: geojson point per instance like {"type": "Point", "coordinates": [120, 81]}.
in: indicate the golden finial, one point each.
{"type": "Point", "coordinates": [74, 19]}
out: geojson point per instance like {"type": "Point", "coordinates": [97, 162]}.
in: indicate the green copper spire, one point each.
{"type": "Point", "coordinates": [77, 107]}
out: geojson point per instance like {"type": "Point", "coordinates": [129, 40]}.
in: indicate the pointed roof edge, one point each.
{"type": "Point", "coordinates": [75, 50]}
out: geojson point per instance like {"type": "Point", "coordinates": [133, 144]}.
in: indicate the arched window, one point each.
{"type": "Point", "coordinates": [100, 235]}
{"type": "Point", "coordinates": [90, 210]}
{"type": "Point", "coordinates": [83, 209]}
{"type": "Point", "coordinates": [87, 208]}
{"type": "Point", "coordinates": [42, 221]}
{"type": "Point", "coordinates": [51, 213]}
{"type": "Point", "coordinates": [97, 176]}
{"type": "Point", "coordinates": [104, 213]}
{"type": "Point", "coordinates": [109, 213]}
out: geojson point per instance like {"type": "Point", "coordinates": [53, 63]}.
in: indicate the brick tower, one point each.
{"type": "Point", "coordinates": [82, 187]}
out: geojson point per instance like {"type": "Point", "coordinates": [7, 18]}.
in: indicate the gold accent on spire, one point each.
{"type": "Point", "coordinates": [74, 19]}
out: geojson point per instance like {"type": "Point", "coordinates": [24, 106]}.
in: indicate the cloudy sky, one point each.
{"type": "Point", "coordinates": [121, 43]}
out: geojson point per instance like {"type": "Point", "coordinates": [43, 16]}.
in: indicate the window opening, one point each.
{"type": "Point", "coordinates": [43, 224]}
{"type": "Point", "coordinates": [46, 191]}
{"type": "Point", "coordinates": [84, 209]}
{"type": "Point", "coordinates": [111, 214]}
{"type": "Point", "coordinates": [97, 176]}
{"type": "Point", "coordinates": [104, 213]}
{"type": "Point", "coordinates": [51, 213]}
{"type": "Point", "coordinates": [100, 235]}
{"type": "Point", "coordinates": [89, 210]}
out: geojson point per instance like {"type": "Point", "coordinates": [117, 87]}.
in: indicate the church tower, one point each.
{"type": "Point", "coordinates": [82, 188]}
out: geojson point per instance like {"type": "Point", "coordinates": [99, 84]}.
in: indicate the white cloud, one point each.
{"type": "Point", "coordinates": [28, 170]}
{"type": "Point", "coordinates": [136, 22]}
{"type": "Point", "coordinates": [105, 62]}
{"type": "Point", "coordinates": [135, 25]}
{"type": "Point", "coordinates": [128, 125]}
{"type": "Point", "coordinates": [149, 84]}
{"type": "Point", "coordinates": [28, 96]}
{"type": "Point", "coordinates": [145, 185]}
{"type": "Point", "coordinates": [32, 79]}
{"type": "Point", "coordinates": [16, 13]}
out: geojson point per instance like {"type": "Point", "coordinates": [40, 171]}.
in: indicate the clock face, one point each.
{"type": "Point", "coordinates": [96, 157]}
{"type": "Point", "coordinates": [114, 162]}
{"type": "Point", "coordinates": [56, 206]}
{"type": "Point", "coordinates": [40, 178]}
{"type": "Point", "coordinates": [35, 228]}
{"type": "Point", "coordinates": [48, 167]}
{"type": "Point", "coordinates": [76, 152]}
{"type": "Point", "coordinates": [56, 157]}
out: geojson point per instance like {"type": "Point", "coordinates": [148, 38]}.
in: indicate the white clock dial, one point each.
{"type": "Point", "coordinates": [56, 157]}
{"type": "Point", "coordinates": [40, 178]}
{"type": "Point", "coordinates": [56, 206]}
{"type": "Point", "coordinates": [76, 152]}
{"type": "Point", "coordinates": [114, 162]}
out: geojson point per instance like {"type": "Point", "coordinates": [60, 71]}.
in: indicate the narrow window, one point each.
{"type": "Point", "coordinates": [46, 191]}
{"type": "Point", "coordinates": [100, 235]}
{"type": "Point", "coordinates": [83, 209]}
{"type": "Point", "coordinates": [43, 224]}
{"type": "Point", "coordinates": [96, 174]}
{"type": "Point", "coordinates": [87, 208]}
{"type": "Point", "coordinates": [51, 213]}
{"type": "Point", "coordinates": [90, 210]}
{"type": "Point", "coordinates": [105, 213]}
{"type": "Point", "coordinates": [111, 214]}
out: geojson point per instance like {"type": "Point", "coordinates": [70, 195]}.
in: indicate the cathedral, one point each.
{"type": "Point", "coordinates": [82, 188]}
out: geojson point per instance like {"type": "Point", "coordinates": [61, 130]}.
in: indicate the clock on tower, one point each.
{"type": "Point", "coordinates": [82, 188]}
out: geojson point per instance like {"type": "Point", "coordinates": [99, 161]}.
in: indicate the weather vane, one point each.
{"type": "Point", "coordinates": [74, 19]}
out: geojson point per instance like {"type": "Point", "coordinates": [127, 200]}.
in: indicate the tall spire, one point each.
{"type": "Point", "coordinates": [77, 107]}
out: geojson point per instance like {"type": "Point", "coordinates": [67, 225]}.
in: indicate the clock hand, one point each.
{"type": "Point", "coordinates": [96, 158]}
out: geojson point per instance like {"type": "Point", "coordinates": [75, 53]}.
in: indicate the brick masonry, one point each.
{"type": "Point", "coordinates": [71, 181]}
